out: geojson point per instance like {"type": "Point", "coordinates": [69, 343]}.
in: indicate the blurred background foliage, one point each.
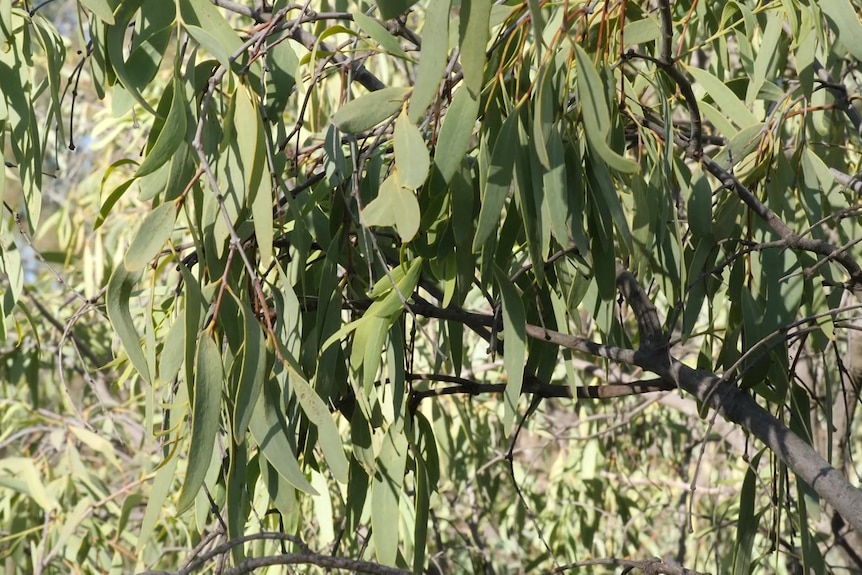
{"type": "Point", "coordinates": [215, 213]}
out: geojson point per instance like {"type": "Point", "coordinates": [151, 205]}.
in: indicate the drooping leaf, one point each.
{"type": "Point", "coordinates": [432, 60]}
{"type": "Point", "coordinates": [117, 302]}
{"type": "Point", "coordinates": [475, 33]}
{"type": "Point", "coordinates": [597, 123]}
{"type": "Point", "coordinates": [206, 411]}
{"type": "Point", "coordinates": [499, 180]}
{"type": "Point", "coordinates": [386, 494]}
{"type": "Point", "coordinates": [172, 134]}
{"type": "Point", "coordinates": [455, 133]}
{"type": "Point", "coordinates": [395, 206]}
{"type": "Point", "coordinates": [514, 342]}
{"type": "Point", "coordinates": [411, 154]}
{"type": "Point", "coordinates": [155, 230]}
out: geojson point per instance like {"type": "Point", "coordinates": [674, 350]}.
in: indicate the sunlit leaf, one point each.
{"type": "Point", "coordinates": [155, 230]}
{"type": "Point", "coordinates": [206, 411]}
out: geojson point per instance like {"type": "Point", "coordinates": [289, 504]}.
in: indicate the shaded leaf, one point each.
{"type": "Point", "coordinates": [515, 342]}
{"type": "Point", "coordinates": [411, 154]}
{"type": "Point", "coordinates": [367, 111]}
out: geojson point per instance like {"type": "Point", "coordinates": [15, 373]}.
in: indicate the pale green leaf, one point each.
{"type": "Point", "coordinates": [380, 34]}
{"type": "Point", "coordinates": [206, 411]}
{"type": "Point", "coordinates": [386, 494]}
{"type": "Point", "coordinates": [432, 60]}
{"type": "Point", "coordinates": [411, 154]}
{"type": "Point", "coordinates": [396, 206]}
{"type": "Point", "coordinates": [172, 135]}
{"type": "Point", "coordinates": [455, 134]}
{"type": "Point", "coordinates": [270, 434]}
{"type": "Point", "coordinates": [367, 111]}
{"type": "Point", "coordinates": [475, 33]}
{"type": "Point", "coordinates": [499, 180]}
{"type": "Point", "coordinates": [101, 8]}
{"type": "Point", "coordinates": [734, 109]}
{"type": "Point", "coordinates": [117, 303]}
{"type": "Point", "coordinates": [842, 15]}
{"type": "Point", "coordinates": [596, 117]}
{"type": "Point", "coordinates": [155, 230]}
{"type": "Point", "coordinates": [514, 342]}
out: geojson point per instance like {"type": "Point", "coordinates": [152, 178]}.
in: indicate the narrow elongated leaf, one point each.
{"type": "Point", "coordinates": [172, 135]}
{"type": "Point", "coordinates": [157, 496]}
{"type": "Point", "coordinates": [746, 526]}
{"type": "Point", "coordinates": [367, 111]}
{"type": "Point", "coordinates": [597, 122]}
{"type": "Point", "coordinates": [475, 32]}
{"type": "Point", "coordinates": [271, 435]}
{"type": "Point", "coordinates": [328, 436]}
{"type": "Point", "coordinates": [206, 410]}
{"type": "Point", "coordinates": [724, 98]}
{"type": "Point", "coordinates": [842, 15]}
{"type": "Point", "coordinates": [253, 372]}
{"type": "Point", "coordinates": [499, 180]}
{"type": "Point", "coordinates": [515, 343]}
{"type": "Point", "coordinates": [386, 494]}
{"type": "Point", "coordinates": [455, 133]}
{"type": "Point", "coordinates": [117, 303]}
{"type": "Point", "coordinates": [432, 60]}
{"type": "Point", "coordinates": [152, 235]}
{"type": "Point", "coordinates": [380, 34]}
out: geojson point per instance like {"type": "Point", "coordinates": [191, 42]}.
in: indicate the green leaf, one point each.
{"type": "Point", "coordinates": [391, 8]}
{"type": "Point", "coordinates": [381, 35]}
{"type": "Point", "coordinates": [206, 412]}
{"type": "Point", "coordinates": [499, 180]}
{"type": "Point", "coordinates": [204, 15]}
{"type": "Point", "coordinates": [367, 111]}
{"type": "Point", "coordinates": [172, 135]}
{"type": "Point", "coordinates": [556, 192]}
{"type": "Point", "coordinates": [747, 522]}
{"type": "Point", "coordinates": [328, 436]}
{"type": "Point", "coordinates": [734, 109]}
{"type": "Point", "coordinates": [396, 206]}
{"type": "Point", "coordinates": [155, 230]}
{"type": "Point", "coordinates": [515, 343]}
{"type": "Point", "coordinates": [842, 15]}
{"type": "Point", "coordinates": [432, 60]}
{"type": "Point", "coordinates": [475, 33]}
{"type": "Point", "coordinates": [596, 117]}
{"type": "Point", "coordinates": [117, 299]}
{"type": "Point", "coordinates": [115, 47]}
{"type": "Point", "coordinates": [253, 371]}
{"type": "Point", "coordinates": [101, 8]}
{"type": "Point", "coordinates": [455, 134]}
{"type": "Point", "coordinates": [209, 43]}
{"type": "Point", "coordinates": [386, 494]}
{"type": "Point", "coordinates": [157, 496]}
{"type": "Point", "coordinates": [411, 154]}
{"type": "Point", "coordinates": [270, 433]}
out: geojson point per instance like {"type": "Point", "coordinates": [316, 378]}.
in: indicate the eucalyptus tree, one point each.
{"type": "Point", "coordinates": [449, 286]}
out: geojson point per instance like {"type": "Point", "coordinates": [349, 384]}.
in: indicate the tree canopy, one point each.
{"type": "Point", "coordinates": [439, 286]}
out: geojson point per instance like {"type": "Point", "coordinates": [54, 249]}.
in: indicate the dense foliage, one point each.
{"type": "Point", "coordinates": [447, 286]}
